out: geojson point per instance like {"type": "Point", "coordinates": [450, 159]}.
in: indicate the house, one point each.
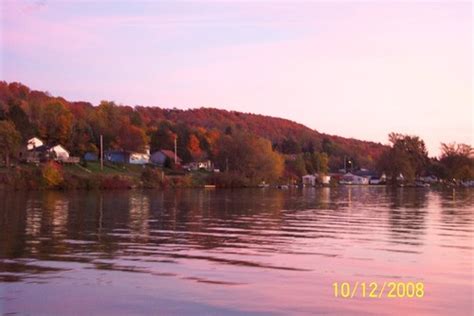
{"type": "Point", "coordinates": [90, 156]}
{"type": "Point", "coordinates": [116, 156]}
{"type": "Point", "coordinates": [137, 158]}
{"type": "Point", "coordinates": [161, 156]}
{"type": "Point", "coordinates": [350, 178]}
{"type": "Point", "coordinates": [36, 151]}
{"type": "Point", "coordinates": [59, 152]}
{"type": "Point", "coordinates": [378, 180]}
{"type": "Point", "coordinates": [324, 179]}
{"type": "Point", "coordinates": [309, 180]}
{"type": "Point", "coordinates": [428, 179]}
{"type": "Point", "coordinates": [36, 154]}
{"type": "Point", "coordinates": [200, 165]}
{"type": "Point", "coordinates": [365, 173]}
{"type": "Point", "coordinates": [122, 156]}
{"type": "Point", "coordinates": [33, 143]}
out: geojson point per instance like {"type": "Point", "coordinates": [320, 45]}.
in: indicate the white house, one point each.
{"type": "Point", "coordinates": [34, 143]}
{"type": "Point", "coordinates": [309, 180]}
{"type": "Point", "coordinates": [378, 180]}
{"type": "Point", "coordinates": [325, 179]}
{"type": "Point", "coordinates": [139, 158]}
{"type": "Point", "coordinates": [350, 178]}
{"type": "Point", "coordinates": [60, 152]}
{"type": "Point", "coordinates": [198, 165]}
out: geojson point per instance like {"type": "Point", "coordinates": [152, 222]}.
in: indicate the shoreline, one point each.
{"type": "Point", "coordinates": [89, 177]}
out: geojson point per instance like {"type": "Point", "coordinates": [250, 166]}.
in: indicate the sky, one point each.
{"type": "Point", "coordinates": [355, 69]}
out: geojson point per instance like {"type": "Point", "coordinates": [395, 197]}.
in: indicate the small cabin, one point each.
{"type": "Point", "coordinates": [350, 178]}
{"type": "Point", "coordinates": [159, 157]}
{"type": "Point", "coordinates": [33, 143]}
{"type": "Point", "coordinates": [59, 152]}
{"type": "Point", "coordinates": [309, 180]}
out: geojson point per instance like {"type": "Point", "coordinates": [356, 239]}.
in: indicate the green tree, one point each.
{"type": "Point", "coordinates": [407, 157]}
{"type": "Point", "coordinates": [163, 137]}
{"type": "Point", "coordinates": [10, 140]}
{"type": "Point", "coordinates": [308, 162]}
{"type": "Point", "coordinates": [22, 123]}
{"type": "Point", "coordinates": [320, 162]}
{"type": "Point", "coordinates": [297, 166]}
{"type": "Point", "coordinates": [458, 161]}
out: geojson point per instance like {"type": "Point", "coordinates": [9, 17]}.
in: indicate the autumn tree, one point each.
{"type": "Point", "coordinates": [56, 122]}
{"type": "Point", "coordinates": [106, 120]}
{"type": "Point", "coordinates": [82, 138]}
{"type": "Point", "coordinates": [212, 138]}
{"type": "Point", "coordinates": [194, 147]}
{"type": "Point", "coordinates": [249, 156]}
{"type": "Point", "coordinates": [131, 138]}
{"type": "Point", "coordinates": [10, 140]}
{"type": "Point", "coordinates": [163, 137]}
{"type": "Point", "coordinates": [52, 174]}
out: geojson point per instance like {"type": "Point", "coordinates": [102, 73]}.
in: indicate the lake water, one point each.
{"type": "Point", "coordinates": [233, 252]}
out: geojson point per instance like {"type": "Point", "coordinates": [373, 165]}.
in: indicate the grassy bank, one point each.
{"type": "Point", "coordinates": [89, 176]}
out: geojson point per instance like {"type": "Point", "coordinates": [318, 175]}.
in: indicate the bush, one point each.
{"type": "Point", "coordinates": [20, 179]}
{"type": "Point", "coordinates": [181, 182]}
{"type": "Point", "coordinates": [229, 180]}
{"type": "Point", "coordinates": [152, 178]}
{"type": "Point", "coordinates": [52, 174]}
{"type": "Point", "coordinates": [115, 182]}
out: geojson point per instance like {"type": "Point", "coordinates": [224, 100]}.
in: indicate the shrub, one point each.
{"type": "Point", "coordinates": [229, 180]}
{"type": "Point", "coordinates": [115, 182]}
{"type": "Point", "coordinates": [152, 178]}
{"type": "Point", "coordinates": [52, 174]}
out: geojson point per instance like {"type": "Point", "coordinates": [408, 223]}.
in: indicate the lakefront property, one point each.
{"type": "Point", "coordinates": [149, 147]}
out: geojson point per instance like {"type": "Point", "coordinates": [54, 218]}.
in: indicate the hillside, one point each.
{"type": "Point", "coordinates": [77, 125]}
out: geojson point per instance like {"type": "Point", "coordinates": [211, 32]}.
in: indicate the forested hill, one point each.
{"type": "Point", "coordinates": [287, 136]}
{"type": "Point", "coordinates": [77, 125]}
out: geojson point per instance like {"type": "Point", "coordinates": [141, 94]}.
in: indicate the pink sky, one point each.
{"type": "Point", "coordinates": [355, 69]}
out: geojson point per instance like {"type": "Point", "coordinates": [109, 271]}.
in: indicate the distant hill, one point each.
{"type": "Point", "coordinates": [279, 131]}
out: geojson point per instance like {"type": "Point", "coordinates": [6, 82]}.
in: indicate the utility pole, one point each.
{"type": "Point", "coordinates": [176, 149]}
{"type": "Point", "coordinates": [101, 153]}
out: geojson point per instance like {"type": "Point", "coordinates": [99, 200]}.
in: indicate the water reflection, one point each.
{"type": "Point", "coordinates": [244, 242]}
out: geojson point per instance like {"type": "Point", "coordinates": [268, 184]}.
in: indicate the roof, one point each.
{"type": "Point", "coordinates": [364, 173]}
{"type": "Point", "coordinates": [169, 154]}
{"type": "Point", "coordinates": [350, 174]}
{"type": "Point", "coordinates": [33, 139]}
{"type": "Point", "coordinates": [116, 152]}
{"type": "Point", "coordinates": [41, 148]}
{"type": "Point", "coordinates": [58, 145]}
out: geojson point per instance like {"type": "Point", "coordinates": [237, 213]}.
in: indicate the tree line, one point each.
{"type": "Point", "coordinates": [257, 147]}
{"type": "Point", "coordinates": [407, 157]}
